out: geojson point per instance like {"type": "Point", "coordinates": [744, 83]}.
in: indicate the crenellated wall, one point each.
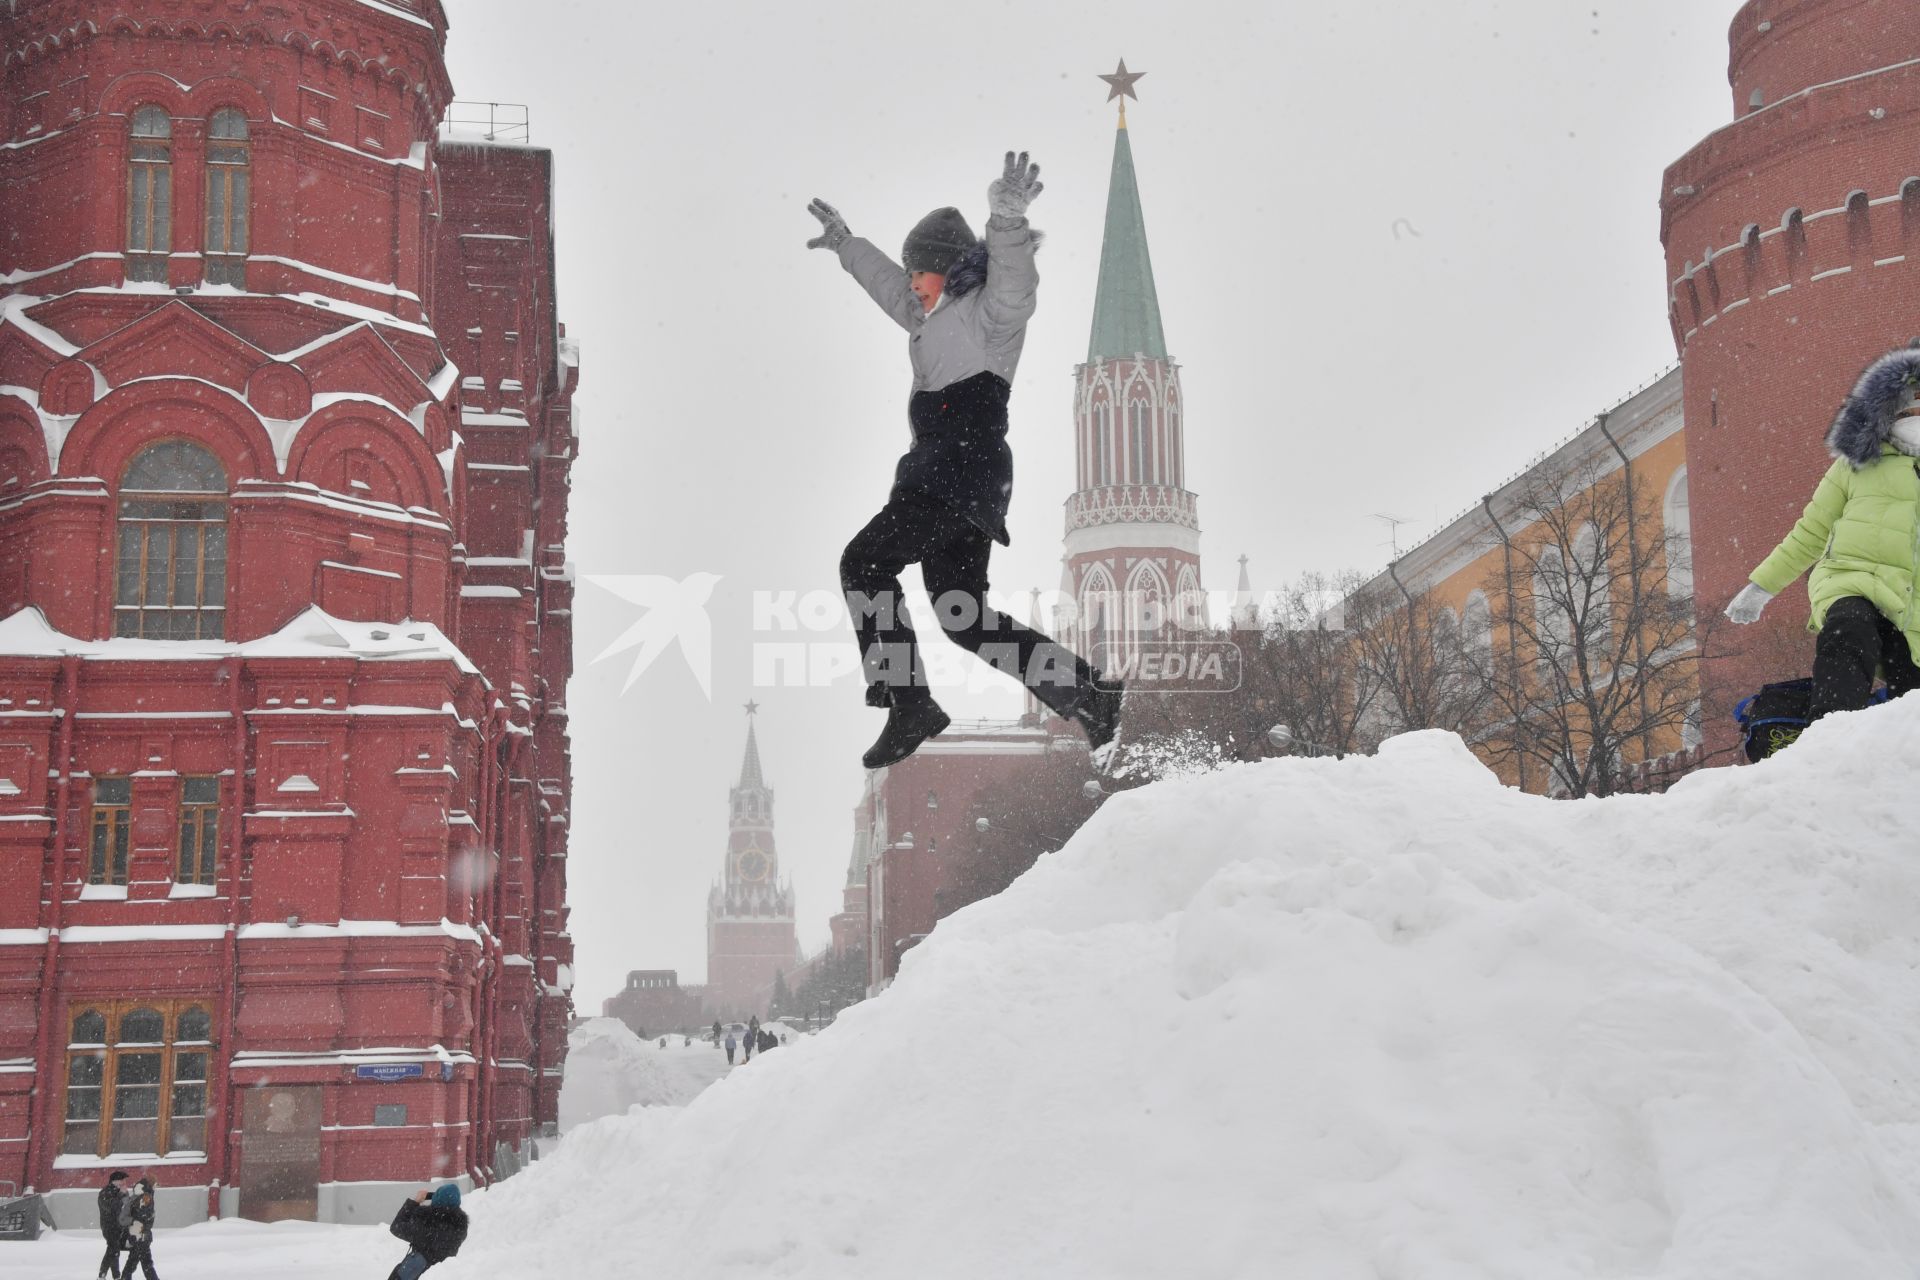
{"type": "Point", "coordinates": [1783, 46]}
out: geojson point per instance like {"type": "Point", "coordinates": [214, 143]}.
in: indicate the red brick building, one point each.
{"type": "Point", "coordinates": [1793, 250]}
{"type": "Point", "coordinates": [654, 1003]}
{"type": "Point", "coordinates": [916, 822]}
{"type": "Point", "coordinates": [285, 432]}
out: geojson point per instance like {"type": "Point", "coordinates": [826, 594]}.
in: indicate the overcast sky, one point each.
{"type": "Point", "coordinates": [742, 402]}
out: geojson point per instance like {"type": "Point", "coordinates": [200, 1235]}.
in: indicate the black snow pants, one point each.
{"type": "Point", "coordinates": [952, 551]}
{"type": "Point", "coordinates": [1855, 639]}
{"type": "Point", "coordinates": [140, 1253]}
{"type": "Point", "coordinates": [110, 1261]}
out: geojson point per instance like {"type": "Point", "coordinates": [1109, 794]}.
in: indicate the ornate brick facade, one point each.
{"type": "Point", "coordinates": [285, 428]}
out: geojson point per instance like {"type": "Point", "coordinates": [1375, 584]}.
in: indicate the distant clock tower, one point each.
{"type": "Point", "coordinates": [750, 933]}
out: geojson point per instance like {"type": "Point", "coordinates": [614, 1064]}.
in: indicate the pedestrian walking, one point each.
{"type": "Point", "coordinates": [434, 1226]}
{"type": "Point", "coordinates": [1860, 537]}
{"type": "Point", "coordinates": [112, 1199]}
{"type": "Point", "coordinates": [139, 1220]}
{"type": "Point", "coordinates": [731, 1045]}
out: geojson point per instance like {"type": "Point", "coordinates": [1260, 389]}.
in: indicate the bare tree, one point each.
{"type": "Point", "coordinates": [1305, 671]}
{"type": "Point", "coordinates": [1409, 651]}
{"type": "Point", "coordinates": [1601, 659]}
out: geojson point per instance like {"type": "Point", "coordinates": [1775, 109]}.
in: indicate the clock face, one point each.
{"type": "Point", "coordinates": [753, 865]}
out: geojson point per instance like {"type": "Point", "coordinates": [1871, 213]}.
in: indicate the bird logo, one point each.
{"type": "Point", "coordinates": [674, 611]}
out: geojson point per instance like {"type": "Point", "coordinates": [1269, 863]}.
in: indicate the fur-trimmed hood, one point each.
{"type": "Point", "coordinates": [970, 272]}
{"type": "Point", "coordinates": [1865, 422]}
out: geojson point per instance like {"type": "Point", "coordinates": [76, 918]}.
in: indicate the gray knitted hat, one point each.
{"type": "Point", "coordinates": [937, 242]}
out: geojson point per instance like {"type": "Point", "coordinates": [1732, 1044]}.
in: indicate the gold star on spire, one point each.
{"type": "Point", "coordinates": [1120, 85]}
{"type": "Point", "coordinates": [752, 707]}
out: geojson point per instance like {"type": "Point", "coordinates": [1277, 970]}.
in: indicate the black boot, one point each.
{"type": "Point", "coordinates": [880, 695]}
{"type": "Point", "coordinates": [1098, 711]}
{"type": "Point", "coordinates": [910, 722]}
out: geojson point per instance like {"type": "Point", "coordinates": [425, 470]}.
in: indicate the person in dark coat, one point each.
{"type": "Point", "coordinates": [140, 1232]}
{"type": "Point", "coordinates": [112, 1196]}
{"type": "Point", "coordinates": [434, 1226]}
{"type": "Point", "coordinates": [964, 303]}
{"type": "Point", "coordinates": [731, 1045]}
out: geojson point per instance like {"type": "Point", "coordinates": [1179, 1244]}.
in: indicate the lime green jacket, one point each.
{"type": "Point", "coordinates": [1861, 537]}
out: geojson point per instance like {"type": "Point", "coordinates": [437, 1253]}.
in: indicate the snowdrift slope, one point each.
{"type": "Point", "coordinates": [1328, 1019]}
{"type": "Point", "coordinates": [609, 1069]}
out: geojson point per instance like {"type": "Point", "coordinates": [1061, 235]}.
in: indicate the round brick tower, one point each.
{"type": "Point", "coordinates": [1793, 253]}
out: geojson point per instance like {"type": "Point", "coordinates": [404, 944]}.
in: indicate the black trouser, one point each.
{"type": "Point", "coordinates": [140, 1251]}
{"type": "Point", "coordinates": [916, 528]}
{"type": "Point", "coordinates": [1856, 638]}
{"type": "Point", "coordinates": [110, 1262]}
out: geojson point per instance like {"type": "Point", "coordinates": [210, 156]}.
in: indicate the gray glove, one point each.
{"type": "Point", "coordinates": [833, 227]}
{"type": "Point", "coordinates": [1745, 607]}
{"type": "Point", "coordinates": [1017, 187]}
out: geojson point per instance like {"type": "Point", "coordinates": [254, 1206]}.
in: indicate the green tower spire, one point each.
{"type": "Point", "coordinates": [1126, 309]}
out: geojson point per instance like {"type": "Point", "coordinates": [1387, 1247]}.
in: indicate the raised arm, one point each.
{"type": "Point", "coordinates": [883, 279]}
{"type": "Point", "coordinates": [1013, 280]}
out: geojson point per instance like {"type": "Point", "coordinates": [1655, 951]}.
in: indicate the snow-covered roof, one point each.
{"type": "Point", "coordinates": [314, 633]}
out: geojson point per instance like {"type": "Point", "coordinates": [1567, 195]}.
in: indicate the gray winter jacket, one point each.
{"type": "Point", "coordinates": [964, 353]}
{"type": "Point", "coordinates": [981, 332]}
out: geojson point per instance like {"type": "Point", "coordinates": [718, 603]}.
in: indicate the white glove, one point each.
{"type": "Point", "coordinates": [1017, 187]}
{"type": "Point", "coordinates": [1746, 607]}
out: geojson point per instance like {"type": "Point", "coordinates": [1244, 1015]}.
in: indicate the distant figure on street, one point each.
{"type": "Point", "coordinates": [112, 1196]}
{"type": "Point", "coordinates": [138, 1216]}
{"type": "Point", "coordinates": [434, 1226]}
{"type": "Point", "coordinates": [716, 1031]}
{"type": "Point", "coordinates": [731, 1043]}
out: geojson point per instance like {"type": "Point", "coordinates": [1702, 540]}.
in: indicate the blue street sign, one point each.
{"type": "Point", "coordinates": [390, 1071]}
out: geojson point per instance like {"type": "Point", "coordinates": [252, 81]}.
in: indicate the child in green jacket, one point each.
{"type": "Point", "coordinates": [1861, 537]}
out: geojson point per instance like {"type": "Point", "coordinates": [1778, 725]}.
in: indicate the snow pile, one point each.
{"type": "Point", "coordinates": [609, 1069]}
{"type": "Point", "coordinates": [1341, 1019]}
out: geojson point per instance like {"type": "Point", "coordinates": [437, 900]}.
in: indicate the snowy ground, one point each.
{"type": "Point", "coordinates": [609, 1070]}
{"type": "Point", "coordinates": [231, 1250]}
{"type": "Point", "coordinates": [1374, 1019]}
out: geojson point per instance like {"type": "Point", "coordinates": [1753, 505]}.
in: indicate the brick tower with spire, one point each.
{"type": "Point", "coordinates": [1132, 527]}
{"type": "Point", "coordinates": [750, 934]}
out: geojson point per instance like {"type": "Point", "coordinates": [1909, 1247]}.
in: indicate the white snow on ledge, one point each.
{"type": "Point", "coordinates": [314, 633]}
{"type": "Point", "coordinates": [1374, 1017]}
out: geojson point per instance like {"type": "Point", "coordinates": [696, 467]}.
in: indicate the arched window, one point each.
{"type": "Point", "coordinates": [150, 195]}
{"type": "Point", "coordinates": [227, 190]}
{"type": "Point", "coordinates": [1590, 593]}
{"type": "Point", "coordinates": [1476, 628]}
{"type": "Point", "coordinates": [171, 580]}
{"type": "Point", "coordinates": [1104, 434]}
{"type": "Point", "coordinates": [137, 1079]}
{"type": "Point", "coordinates": [1679, 530]}
{"type": "Point", "coordinates": [1176, 470]}
{"type": "Point", "coordinates": [1550, 595]}
{"type": "Point", "coordinates": [1099, 603]}
{"type": "Point", "coordinates": [1140, 416]}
